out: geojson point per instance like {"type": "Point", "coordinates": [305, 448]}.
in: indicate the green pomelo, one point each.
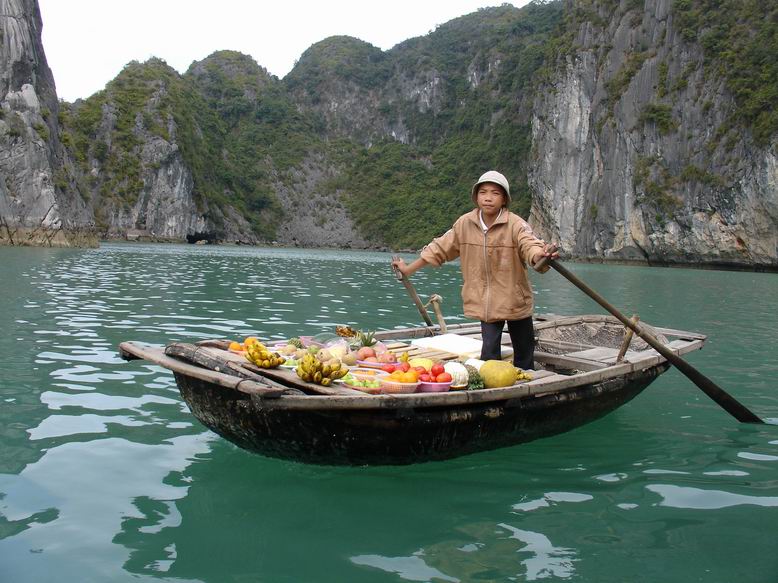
{"type": "Point", "coordinates": [497, 373]}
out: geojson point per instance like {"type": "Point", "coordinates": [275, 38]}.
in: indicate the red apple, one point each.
{"type": "Point", "coordinates": [437, 369]}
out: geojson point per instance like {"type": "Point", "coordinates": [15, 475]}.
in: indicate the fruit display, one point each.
{"type": "Point", "coordinates": [258, 353]}
{"type": "Point", "coordinates": [323, 363]}
{"type": "Point", "coordinates": [312, 370]}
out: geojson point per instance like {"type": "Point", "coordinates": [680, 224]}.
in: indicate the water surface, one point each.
{"type": "Point", "coordinates": [105, 476]}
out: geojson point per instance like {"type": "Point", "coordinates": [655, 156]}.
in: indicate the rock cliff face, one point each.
{"type": "Point", "coordinates": [131, 148]}
{"type": "Point", "coordinates": [314, 217]}
{"type": "Point", "coordinates": [633, 157]}
{"type": "Point", "coordinates": [39, 203]}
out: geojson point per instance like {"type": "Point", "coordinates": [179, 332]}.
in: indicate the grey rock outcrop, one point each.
{"type": "Point", "coordinates": [628, 164]}
{"type": "Point", "coordinates": [314, 217]}
{"type": "Point", "coordinates": [39, 203]}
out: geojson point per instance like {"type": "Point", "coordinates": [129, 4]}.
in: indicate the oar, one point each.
{"type": "Point", "coordinates": [412, 292]}
{"type": "Point", "coordinates": [719, 395]}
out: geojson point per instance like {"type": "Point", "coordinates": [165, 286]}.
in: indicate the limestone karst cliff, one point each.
{"type": "Point", "coordinates": [146, 158]}
{"type": "Point", "coordinates": [635, 153]}
{"type": "Point", "coordinates": [39, 204]}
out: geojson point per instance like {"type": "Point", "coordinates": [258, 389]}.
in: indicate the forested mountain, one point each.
{"type": "Point", "coordinates": [629, 130]}
{"type": "Point", "coordinates": [355, 146]}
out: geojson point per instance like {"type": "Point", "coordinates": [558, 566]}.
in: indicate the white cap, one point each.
{"type": "Point", "coordinates": [497, 178]}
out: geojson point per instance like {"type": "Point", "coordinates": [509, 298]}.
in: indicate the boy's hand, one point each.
{"type": "Point", "coordinates": [540, 261]}
{"type": "Point", "coordinates": [398, 264]}
{"type": "Point", "coordinates": [551, 251]}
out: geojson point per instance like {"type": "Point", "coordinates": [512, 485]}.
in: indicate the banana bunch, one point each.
{"type": "Point", "coordinates": [522, 375]}
{"type": "Point", "coordinates": [262, 357]}
{"type": "Point", "coordinates": [313, 370]}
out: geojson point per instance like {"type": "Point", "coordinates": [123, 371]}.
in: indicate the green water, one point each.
{"type": "Point", "coordinates": [105, 476]}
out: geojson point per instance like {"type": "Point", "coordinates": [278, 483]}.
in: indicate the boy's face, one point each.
{"type": "Point", "coordinates": [490, 197]}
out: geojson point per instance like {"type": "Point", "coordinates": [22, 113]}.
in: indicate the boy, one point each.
{"type": "Point", "coordinates": [494, 246]}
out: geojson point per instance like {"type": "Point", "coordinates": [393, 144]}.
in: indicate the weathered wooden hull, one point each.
{"type": "Point", "coordinates": [402, 435]}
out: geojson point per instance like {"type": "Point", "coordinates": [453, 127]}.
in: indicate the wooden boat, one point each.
{"type": "Point", "coordinates": [578, 378]}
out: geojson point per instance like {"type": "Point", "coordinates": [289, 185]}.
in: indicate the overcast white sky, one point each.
{"type": "Point", "coordinates": [87, 42]}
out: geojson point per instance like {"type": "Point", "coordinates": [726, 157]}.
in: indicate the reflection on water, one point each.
{"type": "Point", "coordinates": [536, 556]}
{"type": "Point", "coordinates": [550, 498]}
{"type": "Point", "coordinates": [545, 559]}
{"type": "Point", "coordinates": [411, 568]}
{"type": "Point", "coordinates": [699, 499]}
{"type": "Point", "coordinates": [105, 476]}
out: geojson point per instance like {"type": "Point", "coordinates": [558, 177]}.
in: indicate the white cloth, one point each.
{"type": "Point", "coordinates": [456, 344]}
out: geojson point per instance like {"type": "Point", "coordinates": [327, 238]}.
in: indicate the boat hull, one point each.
{"type": "Point", "coordinates": [397, 436]}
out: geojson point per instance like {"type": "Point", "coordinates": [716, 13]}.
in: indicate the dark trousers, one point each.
{"type": "Point", "coordinates": [522, 335]}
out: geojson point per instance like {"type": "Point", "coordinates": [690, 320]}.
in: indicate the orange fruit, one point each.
{"type": "Point", "coordinates": [235, 346]}
{"type": "Point", "coordinates": [409, 377]}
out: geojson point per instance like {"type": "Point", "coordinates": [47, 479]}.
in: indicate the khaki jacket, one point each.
{"type": "Point", "coordinates": [494, 264]}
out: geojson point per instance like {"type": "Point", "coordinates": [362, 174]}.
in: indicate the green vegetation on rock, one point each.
{"type": "Point", "coordinates": [740, 44]}
{"type": "Point", "coordinates": [659, 115]}
{"type": "Point", "coordinates": [481, 123]}
{"type": "Point", "coordinates": [110, 128]}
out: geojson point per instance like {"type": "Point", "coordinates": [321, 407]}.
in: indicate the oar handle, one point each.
{"type": "Point", "coordinates": [414, 296]}
{"type": "Point", "coordinates": [435, 300]}
{"type": "Point", "coordinates": [719, 395]}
